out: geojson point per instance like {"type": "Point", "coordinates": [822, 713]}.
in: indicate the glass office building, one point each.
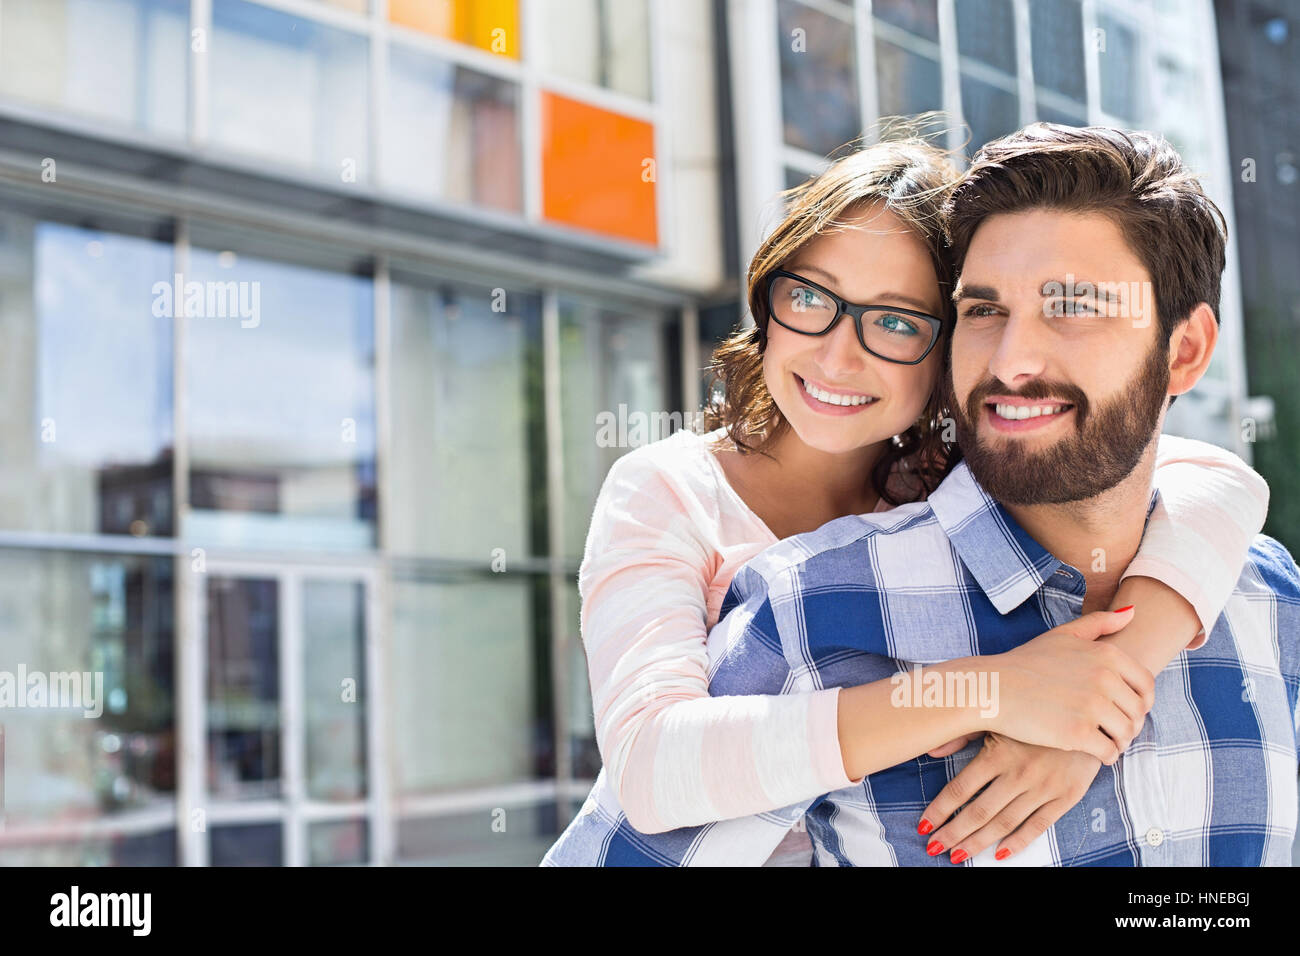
{"type": "Point", "coordinates": [311, 309]}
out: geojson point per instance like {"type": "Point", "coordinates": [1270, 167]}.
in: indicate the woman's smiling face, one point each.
{"type": "Point", "coordinates": [877, 260]}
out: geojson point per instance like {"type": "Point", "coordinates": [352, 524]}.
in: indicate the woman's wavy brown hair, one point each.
{"type": "Point", "coordinates": [905, 173]}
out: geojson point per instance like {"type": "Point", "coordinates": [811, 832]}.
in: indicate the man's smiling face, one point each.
{"type": "Point", "coordinates": [1059, 372]}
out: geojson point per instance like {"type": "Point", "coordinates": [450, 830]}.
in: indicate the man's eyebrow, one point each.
{"type": "Point", "coordinates": [918, 304]}
{"type": "Point", "coordinates": [964, 291]}
{"type": "Point", "coordinates": [1106, 291]}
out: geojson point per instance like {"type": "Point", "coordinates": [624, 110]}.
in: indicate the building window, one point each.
{"type": "Point", "coordinates": [280, 381]}
{"type": "Point", "coordinates": [106, 620]}
{"type": "Point", "coordinates": [819, 91]}
{"type": "Point", "coordinates": [462, 361]}
{"type": "Point", "coordinates": [451, 132]}
{"type": "Point", "coordinates": [1056, 44]}
{"type": "Point", "coordinates": [491, 25]}
{"type": "Point", "coordinates": [465, 684]}
{"type": "Point", "coordinates": [602, 42]}
{"type": "Point", "coordinates": [917, 17]}
{"type": "Point", "coordinates": [124, 61]}
{"type": "Point", "coordinates": [88, 380]}
{"type": "Point", "coordinates": [616, 395]}
{"type": "Point", "coordinates": [1121, 73]}
{"type": "Point", "coordinates": [908, 82]}
{"type": "Point", "coordinates": [289, 89]}
{"type": "Point", "coordinates": [989, 110]}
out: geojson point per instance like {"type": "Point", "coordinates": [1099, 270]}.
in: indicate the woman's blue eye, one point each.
{"type": "Point", "coordinates": [896, 324]}
{"type": "Point", "coordinates": [806, 298]}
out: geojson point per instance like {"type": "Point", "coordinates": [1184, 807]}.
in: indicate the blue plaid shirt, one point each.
{"type": "Point", "coordinates": [1210, 781]}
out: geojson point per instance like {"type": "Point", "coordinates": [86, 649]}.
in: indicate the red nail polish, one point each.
{"type": "Point", "coordinates": [935, 848]}
{"type": "Point", "coordinates": [1123, 609]}
{"type": "Point", "coordinates": [925, 827]}
{"type": "Point", "coordinates": [1002, 854]}
{"type": "Point", "coordinates": [959, 855]}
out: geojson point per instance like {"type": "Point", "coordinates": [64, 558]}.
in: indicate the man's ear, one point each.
{"type": "Point", "coordinates": [1191, 347]}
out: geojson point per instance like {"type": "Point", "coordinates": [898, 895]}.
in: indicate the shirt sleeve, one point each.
{"type": "Point", "coordinates": [676, 756]}
{"type": "Point", "coordinates": [1211, 506]}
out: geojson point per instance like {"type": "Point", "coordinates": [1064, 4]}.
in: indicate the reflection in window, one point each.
{"type": "Point", "coordinates": [124, 61]}
{"type": "Point", "coordinates": [920, 17]}
{"type": "Point", "coordinates": [582, 722]}
{"type": "Point", "coordinates": [289, 89]}
{"type": "Point", "coordinates": [280, 375]}
{"type": "Point", "coordinates": [614, 369]}
{"type": "Point", "coordinates": [467, 838]}
{"type": "Point", "coordinates": [464, 689]}
{"type": "Point", "coordinates": [1056, 43]}
{"type": "Point", "coordinates": [1119, 69]}
{"type": "Point", "coordinates": [988, 110]}
{"type": "Point", "coordinates": [334, 689]}
{"type": "Point", "coordinates": [356, 6]}
{"type": "Point", "coordinates": [334, 842]}
{"type": "Point", "coordinates": [1065, 117]}
{"type": "Point", "coordinates": [908, 83]}
{"type": "Point", "coordinates": [986, 31]}
{"type": "Point", "coordinates": [462, 360]}
{"type": "Point", "coordinates": [491, 25]}
{"type": "Point", "coordinates": [87, 381]}
{"type": "Point", "coordinates": [602, 42]}
{"type": "Point", "coordinates": [450, 132]}
{"type": "Point", "coordinates": [819, 92]}
{"type": "Point", "coordinates": [106, 623]}
{"type": "Point", "coordinates": [256, 844]}
{"type": "Point", "coordinates": [243, 695]}
{"type": "Point", "coordinates": [156, 848]}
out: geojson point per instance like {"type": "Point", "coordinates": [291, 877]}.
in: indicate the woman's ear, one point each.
{"type": "Point", "coordinates": [1191, 347]}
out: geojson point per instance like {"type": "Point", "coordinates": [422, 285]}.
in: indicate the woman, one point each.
{"type": "Point", "coordinates": [815, 427]}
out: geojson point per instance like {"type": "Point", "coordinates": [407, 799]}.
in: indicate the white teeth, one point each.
{"type": "Point", "coordinates": [1018, 412]}
{"type": "Point", "coordinates": [830, 399]}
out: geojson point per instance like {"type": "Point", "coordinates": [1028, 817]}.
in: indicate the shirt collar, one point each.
{"type": "Point", "coordinates": [1000, 555]}
{"type": "Point", "coordinates": [1006, 562]}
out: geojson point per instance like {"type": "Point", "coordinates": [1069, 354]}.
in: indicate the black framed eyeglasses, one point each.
{"type": "Point", "coordinates": [897, 335]}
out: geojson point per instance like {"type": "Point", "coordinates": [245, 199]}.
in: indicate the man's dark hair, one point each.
{"type": "Point", "coordinates": [1135, 178]}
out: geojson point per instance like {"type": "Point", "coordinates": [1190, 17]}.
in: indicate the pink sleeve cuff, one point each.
{"type": "Point", "coordinates": [1192, 591]}
{"type": "Point", "coordinates": [824, 740]}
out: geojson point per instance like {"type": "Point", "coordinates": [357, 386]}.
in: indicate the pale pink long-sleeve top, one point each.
{"type": "Point", "coordinates": [667, 535]}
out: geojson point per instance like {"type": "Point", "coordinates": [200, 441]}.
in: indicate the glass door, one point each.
{"type": "Point", "coordinates": [281, 730]}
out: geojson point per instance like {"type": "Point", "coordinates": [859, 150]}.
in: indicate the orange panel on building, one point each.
{"type": "Point", "coordinates": [466, 21]}
{"type": "Point", "coordinates": [597, 170]}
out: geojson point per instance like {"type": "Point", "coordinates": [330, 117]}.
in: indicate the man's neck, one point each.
{"type": "Point", "coordinates": [1098, 536]}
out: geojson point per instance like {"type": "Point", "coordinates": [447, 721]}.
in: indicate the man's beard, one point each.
{"type": "Point", "coordinates": [1107, 445]}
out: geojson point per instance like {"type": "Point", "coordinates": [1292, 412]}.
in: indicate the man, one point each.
{"type": "Point", "coordinates": [1089, 263]}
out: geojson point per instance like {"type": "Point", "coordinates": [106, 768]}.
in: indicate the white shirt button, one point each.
{"type": "Point", "coordinates": [1155, 836]}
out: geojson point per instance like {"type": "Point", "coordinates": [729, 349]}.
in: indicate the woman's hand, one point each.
{"type": "Point", "coordinates": [1029, 789]}
{"type": "Point", "coordinates": [1067, 690]}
